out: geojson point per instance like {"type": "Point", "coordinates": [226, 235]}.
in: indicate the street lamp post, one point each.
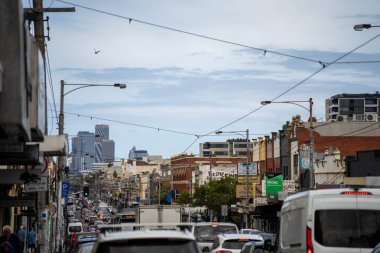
{"type": "Point", "coordinates": [247, 170]}
{"type": "Point", "coordinates": [361, 27]}
{"type": "Point", "coordinates": [61, 129]}
{"type": "Point", "coordinates": [311, 132]}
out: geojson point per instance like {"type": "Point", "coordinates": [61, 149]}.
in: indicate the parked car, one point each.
{"type": "Point", "coordinates": [146, 241]}
{"type": "Point", "coordinates": [233, 243]}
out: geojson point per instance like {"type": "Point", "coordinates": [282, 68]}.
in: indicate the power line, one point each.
{"type": "Point", "coordinates": [132, 124]}
{"type": "Point", "coordinates": [296, 85]}
{"type": "Point", "coordinates": [51, 81]}
{"type": "Point", "coordinates": [265, 51]}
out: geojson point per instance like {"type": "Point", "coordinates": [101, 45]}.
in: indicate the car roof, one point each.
{"type": "Point", "coordinates": [146, 234]}
{"type": "Point", "coordinates": [75, 224]}
{"type": "Point", "coordinates": [214, 224]}
{"type": "Point", "coordinates": [240, 236]}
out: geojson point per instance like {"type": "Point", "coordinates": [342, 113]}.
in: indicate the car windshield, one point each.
{"type": "Point", "coordinates": [347, 228]}
{"type": "Point", "coordinates": [152, 245]}
{"type": "Point", "coordinates": [210, 233]}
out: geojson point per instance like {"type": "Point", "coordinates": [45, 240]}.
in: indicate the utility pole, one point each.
{"type": "Point", "coordinates": [311, 132]}
{"type": "Point", "coordinates": [36, 14]}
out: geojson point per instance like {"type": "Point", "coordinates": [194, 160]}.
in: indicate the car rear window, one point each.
{"type": "Point", "coordinates": [347, 228]}
{"type": "Point", "coordinates": [150, 245]}
{"type": "Point", "coordinates": [210, 233]}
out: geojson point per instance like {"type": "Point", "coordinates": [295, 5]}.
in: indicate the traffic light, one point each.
{"type": "Point", "coordinates": [86, 191]}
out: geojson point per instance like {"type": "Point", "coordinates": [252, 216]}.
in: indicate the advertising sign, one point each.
{"type": "Point", "coordinates": [39, 186]}
{"type": "Point", "coordinates": [273, 185]}
{"type": "Point", "coordinates": [289, 186]}
{"type": "Point", "coordinates": [242, 169]}
{"type": "Point", "coordinates": [304, 156]}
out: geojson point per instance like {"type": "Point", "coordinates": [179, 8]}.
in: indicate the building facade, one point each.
{"type": "Point", "coordinates": [353, 107]}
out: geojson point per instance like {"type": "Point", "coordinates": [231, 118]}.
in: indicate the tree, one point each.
{"type": "Point", "coordinates": [216, 193]}
{"type": "Point", "coordinates": [165, 189]}
{"type": "Point", "coordinates": [184, 198]}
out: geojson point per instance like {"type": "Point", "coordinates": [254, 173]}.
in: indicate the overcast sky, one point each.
{"type": "Point", "coordinates": [193, 85]}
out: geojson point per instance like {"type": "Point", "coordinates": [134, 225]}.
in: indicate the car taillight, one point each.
{"type": "Point", "coordinates": [224, 251]}
{"type": "Point", "coordinates": [356, 193]}
{"type": "Point", "coordinates": [309, 240]}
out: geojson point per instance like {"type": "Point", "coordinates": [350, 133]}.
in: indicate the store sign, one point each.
{"type": "Point", "coordinates": [39, 186]}
{"type": "Point", "coordinates": [252, 179]}
{"type": "Point", "coordinates": [274, 185]}
{"type": "Point", "coordinates": [289, 186]}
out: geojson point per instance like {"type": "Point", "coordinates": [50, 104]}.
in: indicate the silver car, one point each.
{"type": "Point", "coordinates": [156, 241]}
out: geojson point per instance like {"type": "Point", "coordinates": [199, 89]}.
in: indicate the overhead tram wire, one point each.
{"type": "Point", "coordinates": [265, 51]}
{"type": "Point", "coordinates": [132, 124]}
{"type": "Point", "coordinates": [294, 86]}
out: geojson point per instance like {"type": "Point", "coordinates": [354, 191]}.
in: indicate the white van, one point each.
{"type": "Point", "coordinates": [334, 220]}
{"type": "Point", "coordinates": [74, 227]}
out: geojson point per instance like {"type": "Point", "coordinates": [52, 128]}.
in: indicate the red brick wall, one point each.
{"type": "Point", "coordinates": [348, 145]}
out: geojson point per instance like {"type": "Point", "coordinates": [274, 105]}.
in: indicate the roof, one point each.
{"type": "Point", "coordinates": [326, 192]}
{"type": "Point", "coordinates": [342, 128]}
{"type": "Point", "coordinates": [357, 95]}
{"type": "Point", "coordinates": [147, 234]}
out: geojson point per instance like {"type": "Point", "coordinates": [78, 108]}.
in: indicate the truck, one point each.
{"type": "Point", "coordinates": [159, 214]}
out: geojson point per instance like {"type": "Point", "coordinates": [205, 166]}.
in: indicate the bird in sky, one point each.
{"type": "Point", "coordinates": [96, 51]}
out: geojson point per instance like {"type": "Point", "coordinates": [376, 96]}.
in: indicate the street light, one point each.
{"type": "Point", "coordinates": [61, 123]}
{"type": "Point", "coordinates": [310, 110]}
{"type": "Point", "coordinates": [361, 27]}
{"type": "Point", "coordinates": [247, 169]}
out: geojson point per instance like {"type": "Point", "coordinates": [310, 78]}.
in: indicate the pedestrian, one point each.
{"type": "Point", "coordinates": [9, 242]}
{"type": "Point", "coordinates": [22, 237]}
{"type": "Point", "coordinates": [32, 240]}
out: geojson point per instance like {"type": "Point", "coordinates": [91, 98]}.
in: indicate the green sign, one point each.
{"type": "Point", "coordinates": [273, 185]}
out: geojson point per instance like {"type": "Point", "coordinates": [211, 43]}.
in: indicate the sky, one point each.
{"type": "Point", "coordinates": [194, 67]}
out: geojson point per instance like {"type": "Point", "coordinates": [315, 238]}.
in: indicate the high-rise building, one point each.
{"type": "Point", "coordinates": [108, 151]}
{"type": "Point", "coordinates": [102, 132]}
{"type": "Point", "coordinates": [83, 151]}
{"type": "Point", "coordinates": [353, 107]}
{"type": "Point", "coordinates": [104, 147]}
{"type": "Point", "coordinates": [229, 148]}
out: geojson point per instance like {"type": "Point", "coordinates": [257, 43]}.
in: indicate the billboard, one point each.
{"type": "Point", "coordinates": [304, 156]}
{"type": "Point", "coordinates": [252, 169]}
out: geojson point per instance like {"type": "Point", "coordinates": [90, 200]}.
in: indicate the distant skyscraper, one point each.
{"type": "Point", "coordinates": [102, 132]}
{"type": "Point", "coordinates": [104, 147]}
{"type": "Point", "coordinates": [108, 151]}
{"type": "Point", "coordinates": [83, 151]}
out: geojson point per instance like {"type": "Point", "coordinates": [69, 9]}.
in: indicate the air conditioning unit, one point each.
{"type": "Point", "coordinates": [371, 117]}
{"type": "Point", "coordinates": [341, 118]}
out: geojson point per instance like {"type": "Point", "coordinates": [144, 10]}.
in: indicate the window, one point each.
{"type": "Point", "coordinates": [371, 109]}
{"type": "Point", "coordinates": [347, 228]}
{"type": "Point", "coordinates": [295, 164]}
